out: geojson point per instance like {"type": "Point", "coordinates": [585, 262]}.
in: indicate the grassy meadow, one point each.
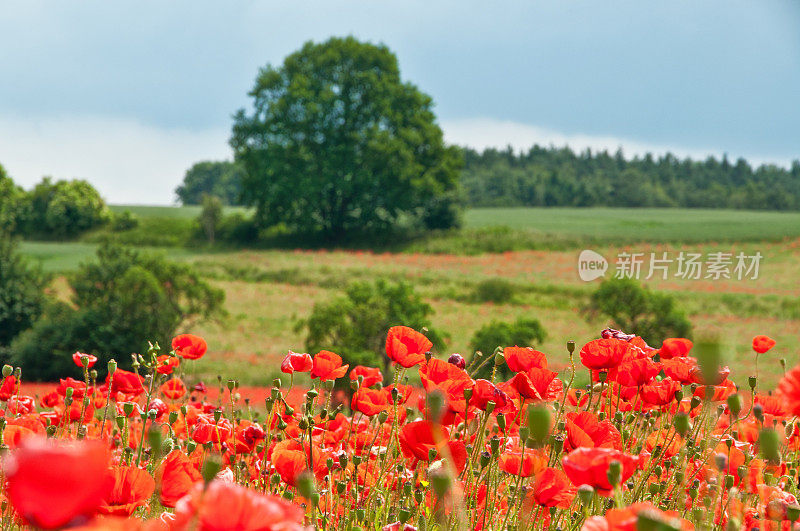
{"type": "Point", "coordinates": [268, 291]}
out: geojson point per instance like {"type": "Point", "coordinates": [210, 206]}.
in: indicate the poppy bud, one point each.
{"type": "Point", "coordinates": [112, 367]}
{"type": "Point", "coordinates": [653, 489]}
{"type": "Point", "coordinates": [302, 424]}
{"type": "Point", "coordinates": [282, 425]}
{"type": "Point", "coordinates": [501, 421]}
{"type": "Point", "coordinates": [490, 405]}
{"type": "Point", "coordinates": [788, 429]}
{"type": "Point", "coordinates": [614, 472]}
{"type": "Point", "coordinates": [211, 466]}
{"type": "Point", "coordinates": [428, 355]}
{"type": "Point", "coordinates": [305, 484]}
{"type": "Point", "coordinates": [383, 416]}
{"type": "Point", "coordinates": [340, 485]}
{"type": "Point", "coordinates": [435, 403]}
{"type": "Point", "coordinates": [539, 423]}
{"type": "Point", "coordinates": [468, 393]}
{"type": "Point", "coordinates": [499, 359]}
{"type": "Point", "coordinates": [752, 381]}
{"type": "Point", "coordinates": [769, 445]}
{"type": "Point", "coordinates": [678, 395]}
{"type": "Point", "coordinates": [396, 396]}
{"type": "Point", "coordinates": [735, 404]}
{"type": "Point", "coordinates": [602, 375]}
{"type": "Point", "coordinates": [485, 459]}
{"type": "Point", "coordinates": [288, 495]}
{"type": "Point", "coordinates": [679, 476]}
{"type": "Point", "coordinates": [440, 482]}
{"type": "Point", "coordinates": [557, 444]}
{"type": "Point", "coordinates": [7, 370]}
{"type": "Point", "coordinates": [494, 444]}
{"type": "Point", "coordinates": [524, 431]}
{"type": "Point", "coordinates": [217, 415]}
{"type": "Point", "coordinates": [695, 402]}
{"type": "Point", "coordinates": [793, 512]}
{"type": "Point", "coordinates": [758, 412]}
{"type": "Point", "coordinates": [355, 384]}
{"type": "Point", "coordinates": [457, 360]}
{"type": "Point", "coordinates": [276, 383]}
{"type": "Point", "coordinates": [721, 461]}
{"type": "Point", "coordinates": [585, 494]}
{"type": "Point", "coordinates": [289, 410]}
{"type": "Point", "coordinates": [127, 408]}
{"type": "Point", "coordinates": [191, 445]}
{"type": "Point", "coordinates": [657, 471]}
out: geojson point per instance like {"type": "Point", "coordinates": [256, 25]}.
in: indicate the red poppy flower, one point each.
{"type": "Point", "coordinates": [718, 392]}
{"type": "Point", "coordinates": [328, 366]}
{"type": "Point", "coordinates": [761, 344]}
{"type": "Point", "coordinates": [659, 393]}
{"type": "Point", "coordinates": [132, 489]}
{"type": "Point", "coordinates": [406, 346]}
{"type": "Point", "coordinates": [372, 375]}
{"type": "Point", "coordinates": [8, 388]}
{"type": "Point", "coordinates": [370, 402]}
{"type": "Point", "coordinates": [189, 347]}
{"type": "Point", "coordinates": [636, 372]}
{"type": "Point", "coordinates": [21, 404]}
{"type": "Point", "coordinates": [516, 462]}
{"type": "Point", "coordinates": [14, 435]}
{"type": "Point", "coordinates": [207, 430]}
{"type": "Point", "coordinates": [127, 383]}
{"type": "Point", "coordinates": [176, 477]}
{"type": "Point", "coordinates": [675, 347]}
{"type": "Point", "coordinates": [589, 466]}
{"type": "Point", "coordinates": [521, 359]}
{"type": "Point", "coordinates": [604, 354]}
{"type": "Point", "coordinates": [78, 387]}
{"type": "Point", "coordinates": [417, 438]}
{"type": "Point", "coordinates": [449, 379]}
{"type": "Point", "coordinates": [485, 392]}
{"type": "Point", "coordinates": [585, 430]}
{"type": "Point", "coordinates": [51, 399]}
{"type": "Point", "coordinates": [52, 485]}
{"type": "Point", "coordinates": [78, 359]}
{"type": "Point", "coordinates": [680, 369]}
{"type": "Point", "coordinates": [173, 388]}
{"type": "Point", "coordinates": [226, 506]}
{"type": "Point", "coordinates": [552, 488]}
{"type": "Point", "coordinates": [166, 364]}
{"type": "Point", "coordinates": [289, 460]}
{"type": "Point", "coordinates": [296, 362]}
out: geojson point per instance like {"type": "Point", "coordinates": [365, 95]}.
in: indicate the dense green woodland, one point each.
{"type": "Point", "coordinates": [561, 177]}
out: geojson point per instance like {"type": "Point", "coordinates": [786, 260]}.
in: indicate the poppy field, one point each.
{"type": "Point", "coordinates": [661, 439]}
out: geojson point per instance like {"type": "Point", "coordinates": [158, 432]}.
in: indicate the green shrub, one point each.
{"type": "Point", "coordinates": [124, 221]}
{"type": "Point", "coordinates": [120, 302]}
{"type": "Point", "coordinates": [63, 210]}
{"type": "Point", "coordinates": [520, 333]}
{"type": "Point", "coordinates": [496, 290]}
{"type": "Point", "coordinates": [355, 324]}
{"type": "Point", "coordinates": [635, 309]}
{"type": "Point", "coordinates": [22, 295]}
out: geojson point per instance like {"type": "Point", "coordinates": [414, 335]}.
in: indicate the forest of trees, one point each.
{"type": "Point", "coordinates": [547, 176]}
{"type": "Point", "coordinates": [561, 177]}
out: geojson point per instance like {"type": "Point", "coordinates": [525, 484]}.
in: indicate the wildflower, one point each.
{"type": "Point", "coordinates": [127, 383]}
{"type": "Point", "coordinates": [189, 347]}
{"type": "Point", "coordinates": [520, 359]}
{"type": "Point", "coordinates": [166, 364]}
{"type": "Point", "coordinates": [526, 464]}
{"type": "Point", "coordinates": [176, 476]}
{"type": "Point", "coordinates": [552, 488]}
{"type": "Point", "coordinates": [584, 430]}
{"type": "Point", "coordinates": [131, 489]}
{"type": "Point", "coordinates": [789, 390]}
{"type": "Point", "coordinates": [371, 375]}
{"type": "Point", "coordinates": [328, 366]}
{"type": "Point", "coordinates": [406, 346]}
{"type": "Point", "coordinates": [370, 402]}
{"type": "Point", "coordinates": [762, 344]}
{"type": "Point", "coordinates": [418, 438]}
{"type": "Point", "coordinates": [296, 362]}
{"type": "Point", "coordinates": [589, 466]}
{"type": "Point", "coordinates": [8, 388]}
{"type": "Point", "coordinates": [173, 388]}
{"type": "Point", "coordinates": [77, 358]}
{"type": "Point", "coordinates": [52, 485]}
{"type": "Point", "coordinates": [225, 506]}
{"type": "Point", "coordinates": [603, 354]}
{"type": "Point", "coordinates": [675, 347]}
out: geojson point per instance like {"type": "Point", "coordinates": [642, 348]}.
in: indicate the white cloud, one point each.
{"type": "Point", "coordinates": [487, 132]}
{"type": "Point", "coordinates": [129, 163]}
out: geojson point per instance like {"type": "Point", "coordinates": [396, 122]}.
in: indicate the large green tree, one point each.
{"type": "Point", "coordinates": [221, 178]}
{"type": "Point", "coordinates": [338, 143]}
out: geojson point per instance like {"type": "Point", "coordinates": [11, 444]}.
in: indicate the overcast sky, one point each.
{"type": "Point", "coordinates": [128, 94]}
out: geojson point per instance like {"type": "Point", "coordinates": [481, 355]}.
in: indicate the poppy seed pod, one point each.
{"type": "Point", "coordinates": [585, 494]}
{"type": "Point", "coordinates": [570, 346]}
{"type": "Point", "coordinates": [7, 370]}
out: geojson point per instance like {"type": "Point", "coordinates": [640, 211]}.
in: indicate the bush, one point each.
{"type": "Point", "coordinates": [120, 302]}
{"type": "Point", "coordinates": [22, 294]}
{"type": "Point", "coordinates": [496, 290]}
{"type": "Point", "coordinates": [635, 309]}
{"type": "Point", "coordinates": [355, 325]}
{"type": "Point", "coordinates": [124, 221]}
{"type": "Point", "coordinates": [210, 216]}
{"type": "Point", "coordinates": [13, 203]}
{"type": "Point", "coordinates": [520, 333]}
{"type": "Point", "coordinates": [237, 229]}
{"type": "Point", "coordinates": [64, 210]}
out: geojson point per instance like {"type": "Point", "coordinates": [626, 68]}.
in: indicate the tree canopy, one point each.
{"type": "Point", "coordinates": [222, 179]}
{"type": "Point", "coordinates": [561, 177]}
{"type": "Point", "coordinates": [338, 143]}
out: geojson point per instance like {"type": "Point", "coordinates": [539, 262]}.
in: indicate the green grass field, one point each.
{"type": "Point", "coordinates": [269, 290]}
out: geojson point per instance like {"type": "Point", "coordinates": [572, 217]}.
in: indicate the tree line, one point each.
{"type": "Point", "coordinates": [549, 176]}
